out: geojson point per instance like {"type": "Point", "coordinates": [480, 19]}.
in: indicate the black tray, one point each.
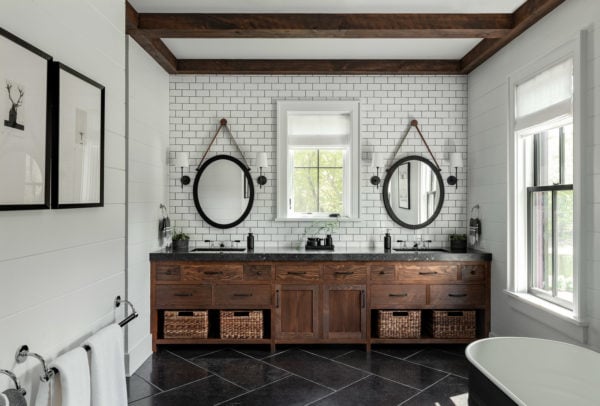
{"type": "Point", "coordinates": [319, 247]}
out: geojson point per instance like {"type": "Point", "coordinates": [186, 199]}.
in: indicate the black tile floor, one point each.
{"type": "Point", "coordinates": [314, 375]}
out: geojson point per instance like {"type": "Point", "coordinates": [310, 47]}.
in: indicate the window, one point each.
{"type": "Point", "coordinates": [318, 152]}
{"type": "Point", "coordinates": [544, 132]}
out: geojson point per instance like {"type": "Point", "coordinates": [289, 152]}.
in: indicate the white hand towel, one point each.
{"type": "Point", "coordinates": [43, 394]}
{"type": "Point", "coordinates": [74, 374]}
{"type": "Point", "coordinates": [109, 387]}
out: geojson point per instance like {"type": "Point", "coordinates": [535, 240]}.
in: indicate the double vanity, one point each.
{"type": "Point", "coordinates": [318, 297]}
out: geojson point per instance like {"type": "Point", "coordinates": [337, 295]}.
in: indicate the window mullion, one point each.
{"type": "Point", "coordinates": [561, 155]}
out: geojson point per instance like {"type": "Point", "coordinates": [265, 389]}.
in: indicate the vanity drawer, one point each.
{"type": "Point", "coordinates": [216, 272]}
{"type": "Point", "coordinates": [242, 295]}
{"type": "Point", "coordinates": [383, 273]}
{"type": "Point", "coordinates": [183, 296]}
{"type": "Point", "coordinates": [474, 272]}
{"type": "Point", "coordinates": [344, 273]}
{"type": "Point", "coordinates": [393, 295]}
{"type": "Point", "coordinates": [168, 273]}
{"type": "Point", "coordinates": [298, 272]}
{"type": "Point", "coordinates": [458, 295]}
{"type": "Point", "coordinates": [258, 272]}
{"type": "Point", "coordinates": [427, 273]}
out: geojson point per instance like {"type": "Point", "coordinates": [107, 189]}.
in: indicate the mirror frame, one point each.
{"type": "Point", "coordinates": [386, 183]}
{"type": "Point", "coordinates": [250, 183]}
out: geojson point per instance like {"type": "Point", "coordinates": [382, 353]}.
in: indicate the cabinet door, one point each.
{"type": "Point", "coordinates": [296, 312]}
{"type": "Point", "coordinates": [344, 311]}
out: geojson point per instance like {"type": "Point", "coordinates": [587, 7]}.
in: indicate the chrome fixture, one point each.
{"type": "Point", "coordinates": [13, 377]}
{"type": "Point", "coordinates": [456, 162]}
{"type": "Point", "coordinates": [262, 162]}
{"type": "Point", "coordinates": [182, 160]}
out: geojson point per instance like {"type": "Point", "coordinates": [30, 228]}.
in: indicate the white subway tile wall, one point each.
{"type": "Point", "coordinates": [387, 105]}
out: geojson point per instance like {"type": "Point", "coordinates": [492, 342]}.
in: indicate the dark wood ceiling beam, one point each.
{"type": "Point", "coordinates": [325, 25]}
{"type": "Point", "coordinates": [316, 67]}
{"type": "Point", "coordinates": [524, 17]}
{"type": "Point", "coordinates": [157, 50]}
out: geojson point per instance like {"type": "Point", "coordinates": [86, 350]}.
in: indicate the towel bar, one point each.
{"type": "Point", "coordinates": [23, 351]}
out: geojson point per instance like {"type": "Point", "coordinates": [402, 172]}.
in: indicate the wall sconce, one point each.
{"type": "Point", "coordinates": [182, 160]}
{"type": "Point", "coordinates": [262, 162]}
{"type": "Point", "coordinates": [377, 162]}
{"type": "Point", "coordinates": [456, 162]}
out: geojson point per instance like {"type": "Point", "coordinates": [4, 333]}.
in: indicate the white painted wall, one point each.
{"type": "Point", "coordinates": [387, 105]}
{"type": "Point", "coordinates": [488, 166]}
{"type": "Point", "coordinates": [60, 270]}
{"type": "Point", "coordinates": [147, 187]}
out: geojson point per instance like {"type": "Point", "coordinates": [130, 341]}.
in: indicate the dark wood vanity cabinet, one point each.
{"type": "Point", "coordinates": [319, 302]}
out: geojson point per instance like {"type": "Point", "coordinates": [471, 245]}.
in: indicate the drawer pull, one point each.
{"type": "Point", "coordinates": [242, 294]}
{"type": "Point", "coordinates": [382, 272]}
{"type": "Point", "coordinates": [398, 294]}
{"type": "Point", "coordinates": [457, 294]}
{"type": "Point", "coordinates": [169, 272]}
{"type": "Point", "coordinates": [214, 272]}
{"type": "Point", "coordinates": [428, 273]}
{"type": "Point", "coordinates": [259, 273]}
{"type": "Point", "coordinates": [296, 273]}
{"type": "Point", "coordinates": [277, 299]}
{"type": "Point", "coordinates": [183, 294]}
{"type": "Point", "coordinates": [344, 273]}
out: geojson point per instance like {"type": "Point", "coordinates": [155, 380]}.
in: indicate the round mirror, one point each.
{"type": "Point", "coordinates": [413, 192]}
{"type": "Point", "coordinates": [223, 191]}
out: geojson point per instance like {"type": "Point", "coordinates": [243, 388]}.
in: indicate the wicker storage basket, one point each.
{"type": "Point", "coordinates": [453, 324]}
{"type": "Point", "coordinates": [241, 324]}
{"type": "Point", "coordinates": [180, 324]}
{"type": "Point", "coordinates": [399, 324]}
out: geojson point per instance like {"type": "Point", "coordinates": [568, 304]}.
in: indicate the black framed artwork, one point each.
{"type": "Point", "coordinates": [25, 141]}
{"type": "Point", "coordinates": [77, 139]}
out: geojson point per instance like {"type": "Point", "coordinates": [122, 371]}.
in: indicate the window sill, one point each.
{"type": "Point", "coordinates": [547, 313]}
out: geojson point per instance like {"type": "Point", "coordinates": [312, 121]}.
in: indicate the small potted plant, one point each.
{"type": "Point", "coordinates": [181, 242]}
{"type": "Point", "coordinates": [458, 243]}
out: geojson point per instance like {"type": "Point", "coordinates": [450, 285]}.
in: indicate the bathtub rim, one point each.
{"type": "Point", "coordinates": [493, 379]}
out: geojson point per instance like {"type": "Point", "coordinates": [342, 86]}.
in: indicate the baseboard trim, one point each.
{"type": "Point", "coordinates": [138, 354]}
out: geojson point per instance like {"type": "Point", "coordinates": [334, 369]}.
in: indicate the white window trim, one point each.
{"type": "Point", "coordinates": [517, 224]}
{"type": "Point", "coordinates": [283, 169]}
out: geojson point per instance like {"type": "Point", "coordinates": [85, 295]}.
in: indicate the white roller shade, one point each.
{"type": "Point", "coordinates": [328, 128]}
{"type": "Point", "coordinates": [545, 97]}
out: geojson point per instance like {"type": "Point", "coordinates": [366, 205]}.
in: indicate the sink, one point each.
{"type": "Point", "coordinates": [421, 249]}
{"type": "Point", "coordinates": [217, 249]}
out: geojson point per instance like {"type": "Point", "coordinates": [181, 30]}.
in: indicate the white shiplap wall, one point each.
{"type": "Point", "coordinates": [488, 166]}
{"type": "Point", "coordinates": [387, 105]}
{"type": "Point", "coordinates": [60, 270]}
{"type": "Point", "coordinates": [148, 187]}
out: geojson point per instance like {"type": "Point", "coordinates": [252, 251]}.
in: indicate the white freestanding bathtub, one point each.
{"type": "Point", "coordinates": [532, 372]}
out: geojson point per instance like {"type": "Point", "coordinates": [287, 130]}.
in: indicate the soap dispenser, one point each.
{"type": "Point", "coordinates": [250, 242]}
{"type": "Point", "coordinates": [387, 241]}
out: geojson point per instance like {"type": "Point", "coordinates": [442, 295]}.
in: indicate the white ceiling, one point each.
{"type": "Point", "coordinates": [326, 6]}
{"type": "Point", "coordinates": [319, 48]}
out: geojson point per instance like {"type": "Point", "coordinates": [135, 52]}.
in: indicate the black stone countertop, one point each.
{"type": "Point", "coordinates": [350, 254]}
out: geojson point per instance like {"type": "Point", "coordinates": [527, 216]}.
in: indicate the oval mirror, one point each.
{"type": "Point", "coordinates": [223, 191]}
{"type": "Point", "coordinates": [413, 192]}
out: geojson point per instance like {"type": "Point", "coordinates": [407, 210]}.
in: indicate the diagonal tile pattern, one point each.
{"type": "Point", "coordinates": [307, 375]}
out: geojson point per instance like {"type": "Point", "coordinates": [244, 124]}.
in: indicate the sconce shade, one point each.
{"type": "Point", "coordinates": [262, 160]}
{"type": "Point", "coordinates": [456, 160]}
{"type": "Point", "coordinates": [377, 160]}
{"type": "Point", "coordinates": [182, 160]}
